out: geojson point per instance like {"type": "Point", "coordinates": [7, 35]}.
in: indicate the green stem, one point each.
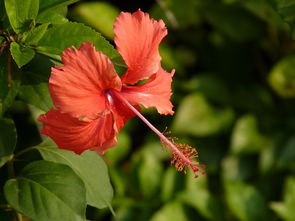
{"type": "Point", "coordinates": [24, 151]}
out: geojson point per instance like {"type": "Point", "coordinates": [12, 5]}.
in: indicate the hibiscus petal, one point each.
{"type": "Point", "coordinates": [77, 135]}
{"type": "Point", "coordinates": [78, 86]}
{"type": "Point", "coordinates": [154, 93]}
{"type": "Point", "coordinates": [137, 37]}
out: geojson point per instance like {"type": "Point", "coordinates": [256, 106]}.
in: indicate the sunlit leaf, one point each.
{"type": "Point", "coordinates": [282, 77]}
{"type": "Point", "coordinates": [246, 137]}
{"type": "Point", "coordinates": [285, 209]}
{"type": "Point", "coordinates": [21, 54]}
{"type": "Point", "coordinates": [99, 15]}
{"type": "Point", "coordinates": [21, 13]}
{"type": "Point", "coordinates": [196, 116]}
{"type": "Point", "coordinates": [89, 166]}
{"type": "Point", "coordinates": [246, 202]}
{"type": "Point", "coordinates": [71, 34]}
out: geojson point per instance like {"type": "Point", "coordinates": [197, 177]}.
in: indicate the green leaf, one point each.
{"type": "Point", "coordinates": [285, 209]}
{"type": "Point", "coordinates": [47, 191]}
{"type": "Point", "coordinates": [7, 139]}
{"type": "Point", "coordinates": [196, 116]}
{"type": "Point", "coordinates": [36, 34]}
{"type": "Point", "coordinates": [246, 137]}
{"type": "Point", "coordinates": [282, 77]}
{"type": "Point", "coordinates": [99, 15]}
{"type": "Point", "coordinates": [51, 17]}
{"type": "Point", "coordinates": [71, 34]}
{"type": "Point", "coordinates": [204, 202]}
{"type": "Point", "coordinates": [114, 155]}
{"type": "Point", "coordinates": [149, 172]}
{"type": "Point", "coordinates": [89, 166]}
{"type": "Point", "coordinates": [172, 211]}
{"type": "Point", "coordinates": [34, 90]}
{"type": "Point", "coordinates": [53, 4]}
{"type": "Point", "coordinates": [237, 168]}
{"type": "Point", "coordinates": [170, 184]}
{"type": "Point", "coordinates": [246, 202]}
{"type": "Point", "coordinates": [21, 55]}
{"type": "Point", "coordinates": [21, 13]}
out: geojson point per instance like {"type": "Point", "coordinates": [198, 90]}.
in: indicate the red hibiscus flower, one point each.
{"type": "Point", "coordinates": [93, 103]}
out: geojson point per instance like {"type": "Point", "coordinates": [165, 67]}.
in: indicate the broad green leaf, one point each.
{"type": "Point", "coordinates": [34, 90]}
{"type": "Point", "coordinates": [47, 191]}
{"type": "Point", "coordinates": [36, 34]}
{"type": "Point", "coordinates": [282, 77]}
{"type": "Point", "coordinates": [89, 166]}
{"type": "Point", "coordinates": [53, 4]}
{"type": "Point", "coordinates": [21, 13]}
{"type": "Point", "coordinates": [246, 137]}
{"type": "Point", "coordinates": [99, 15]}
{"type": "Point", "coordinates": [285, 209]}
{"type": "Point", "coordinates": [71, 34]}
{"type": "Point", "coordinates": [172, 211]}
{"type": "Point", "coordinates": [246, 202]}
{"type": "Point", "coordinates": [196, 116]}
{"type": "Point", "coordinates": [7, 139]}
{"type": "Point", "coordinates": [21, 54]}
{"type": "Point", "coordinates": [149, 174]}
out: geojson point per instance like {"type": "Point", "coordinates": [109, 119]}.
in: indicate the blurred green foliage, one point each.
{"type": "Point", "coordinates": [234, 97]}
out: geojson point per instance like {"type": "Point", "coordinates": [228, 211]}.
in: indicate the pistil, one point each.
{"type": "Point", "coordinates": [182, 155]}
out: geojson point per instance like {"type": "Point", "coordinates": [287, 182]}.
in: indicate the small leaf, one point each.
{"type": "Point", "coordinates": [196, 116]}
{"type": "Point", "coordinates": [89, 166]}
{"type": "Point", "coordinates": [21, 13]}
{"type": "Point", "coordinates": [149, 173]}
{"type": "Point", "coordinates": [34, 90]}
{"type": "Point", "coordinates": [246, 137]}
{"type": "Point", "coordinates": [286, 209]}
{"type": "Point", "coordinates": [71, 34]}
{"type": "Point", "coordinates": [282, 77]}
{"type": "Point", "coordinates": [246, 202]}
{"type": "Point", "coordinates": [21, 55]}
{"type": "Point", "coordinates": [47, 191]}
{"type": "Point", "coordinates": [99, 15]}
{"type": "Point", "coordinates": [7, 139]}
{"type": "Point", "coordinates": [36, 34]}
